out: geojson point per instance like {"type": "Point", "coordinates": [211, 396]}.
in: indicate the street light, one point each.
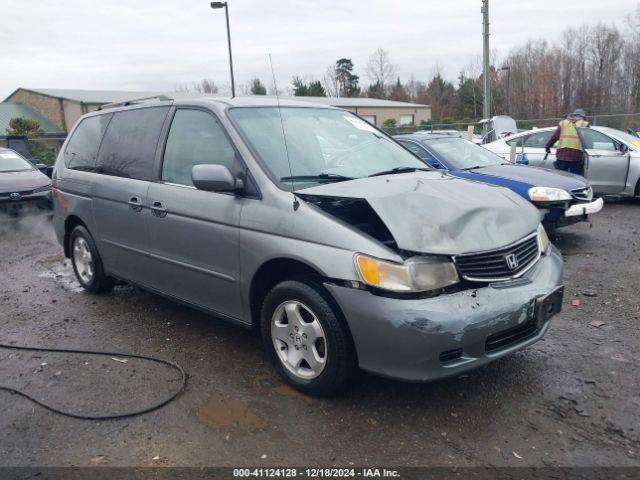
{"type": "Point", "coordinates": [225, 5]}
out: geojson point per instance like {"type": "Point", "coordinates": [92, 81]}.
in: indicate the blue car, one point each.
{"type": "Point", "coordinates": [562, 198]}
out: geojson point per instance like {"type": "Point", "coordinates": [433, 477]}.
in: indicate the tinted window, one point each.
{"type": "Point", "coordinates": [416, 149]}
{"type": "Point", "coordinates": [592, 139]}
{"type": "Point", "coordinates": [195, 138]}
{"type": "Point", "coordinates": [129, 146]}
{"type": "Point", "coordinates": [83, 145]}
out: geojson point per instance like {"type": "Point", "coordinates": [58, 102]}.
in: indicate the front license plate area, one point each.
{"type": "Point", "coordinates": [549, 305]}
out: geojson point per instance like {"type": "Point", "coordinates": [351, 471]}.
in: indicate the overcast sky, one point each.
{"type": "Point", "coordinates": [158, 44]}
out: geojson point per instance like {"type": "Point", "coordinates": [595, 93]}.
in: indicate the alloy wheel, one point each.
{"type": "Point", "coordinates": [83, 260]}
{"type": "Point", "coordinates": [299, 339]}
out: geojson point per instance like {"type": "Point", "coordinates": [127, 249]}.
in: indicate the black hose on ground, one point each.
{"type": "Point", "coordinates": [151, 408]}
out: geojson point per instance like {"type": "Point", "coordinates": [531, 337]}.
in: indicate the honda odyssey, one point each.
{"type": "Point", "coordinates": [313, 227]}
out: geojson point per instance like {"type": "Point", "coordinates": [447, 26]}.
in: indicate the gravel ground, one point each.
{"type": "Point", "coordinates": [572, 399]}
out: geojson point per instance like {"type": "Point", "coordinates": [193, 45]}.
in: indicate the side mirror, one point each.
{"type": "Point", "coordinates": [623, 148]}
{"type": "Point", "coordinates": [215, 178]}
{"type": "Point", "coordinates": [435, 163]}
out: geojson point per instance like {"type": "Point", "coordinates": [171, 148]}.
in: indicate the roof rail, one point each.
{"type": "Point", "coordinates": [133, 101]}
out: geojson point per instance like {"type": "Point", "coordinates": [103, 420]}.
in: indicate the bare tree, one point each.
{"type": "Point", "coordinates": [380, 71]}
{"type": "Point", "coordinates": [205, 86]}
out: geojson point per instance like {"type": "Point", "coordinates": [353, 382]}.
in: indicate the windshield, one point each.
{"type": "Point", "coordinates": [12, 162]}
{"type": "Point", "coordinates": [462, 154]}
{"type": "Point", "coordinates": [330, 144]}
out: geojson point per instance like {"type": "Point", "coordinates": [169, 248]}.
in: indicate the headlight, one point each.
{"type": "Point", "coordinates": [46, 188]}
{"type": "Point", "coordinates": [543, 239]}
{"type": "Point", "coordinates": [418, 274]}
{"type": "Point", "coordinates": [548, 194]}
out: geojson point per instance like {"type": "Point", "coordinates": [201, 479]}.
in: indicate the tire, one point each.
{"type": "Point", "coordinates": [86, 261]}
{"type": "Point", "coordinates": [293, 310]}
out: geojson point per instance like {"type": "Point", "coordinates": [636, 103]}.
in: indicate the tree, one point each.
{"type": "Point", "coordinates": [256, 87]}
{"type": "Point", "coordinates": [346, 80]}
{"type": "Point", "coordinates": [313, 89]}
{"type": "Point", "coordinates": [398, 92]}
{"type": "Point", "coordinates": [27, 127]}
{"type": "Point", "coordinates": [300, 89]}
{"type": "Point", "coordinates": [205, 86]}
{"type": "Point", "coordinates": [376, 90]}
{"type": "Point", "coordinates": [380, 70]}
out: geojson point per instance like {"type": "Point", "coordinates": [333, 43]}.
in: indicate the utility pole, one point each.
{"type": "Point", "coordinates": [486, 106]}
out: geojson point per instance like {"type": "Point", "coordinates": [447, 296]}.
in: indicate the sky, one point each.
{"type": "Point", "coordinates": [160, 44]}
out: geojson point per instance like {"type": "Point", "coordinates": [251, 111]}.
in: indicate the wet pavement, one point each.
{"type": "Point", "coordinates": [571, 399]}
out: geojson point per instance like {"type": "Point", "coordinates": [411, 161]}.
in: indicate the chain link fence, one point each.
{"type": "Point", "coordinates": [620, 121]}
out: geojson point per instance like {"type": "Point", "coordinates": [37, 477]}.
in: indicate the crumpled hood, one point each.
{"type": "Point", "coordinates": [535, 176]}
{"type": "Point", "coordinates": [431, 212]}
{"type": "Point", "coordinates": [21, 181]}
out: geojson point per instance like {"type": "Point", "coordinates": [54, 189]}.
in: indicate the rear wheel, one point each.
{"type": "Point", "coordinates": [87, 263]}
{"type": "Point", "coordinates": [308, 343]}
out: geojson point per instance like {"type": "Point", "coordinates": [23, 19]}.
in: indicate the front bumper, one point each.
{"type": "Point", "coordinates": [580, 209]}
{"type": "Point", "coordinates": [39, 202]}
{"type": "Point", "coordinates": [426, 339]}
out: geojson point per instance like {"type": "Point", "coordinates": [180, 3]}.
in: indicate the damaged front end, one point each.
{"type": "Point", "coordinates": [425, 269]}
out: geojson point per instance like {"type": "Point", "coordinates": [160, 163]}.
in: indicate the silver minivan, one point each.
{"type": "Point", "coordinates": [310, 225]}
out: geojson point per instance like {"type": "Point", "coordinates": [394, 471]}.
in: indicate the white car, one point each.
{"type": "Point", "coordinates": [612, 160]}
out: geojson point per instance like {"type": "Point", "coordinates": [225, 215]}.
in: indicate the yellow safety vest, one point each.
{"type": "Point", "coordinates": [569, 134]}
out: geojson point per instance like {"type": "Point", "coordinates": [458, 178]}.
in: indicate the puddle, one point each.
{"type": "Point", "coordinates": [63, 273]}
{"type": "Point", "coordinates": [222, 411]}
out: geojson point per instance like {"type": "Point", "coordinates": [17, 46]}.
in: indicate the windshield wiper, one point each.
{"type": "Point", "coordinates": [399, 170]}
{"type": "Point", "coordinates": [474, 168]}
{"type": "Point", "coordinates": [322, 176]}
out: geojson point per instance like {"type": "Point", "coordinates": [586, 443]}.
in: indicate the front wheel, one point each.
{"type": "Point", "coordinates": [305, 338]}
{"type": "Point", "coordinates": [87, 263]}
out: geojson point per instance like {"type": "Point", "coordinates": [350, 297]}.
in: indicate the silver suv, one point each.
{"type": "Point", "coordinates": [311, 225]}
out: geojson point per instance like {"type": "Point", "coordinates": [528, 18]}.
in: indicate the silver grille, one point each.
{"type": "Point", "coordinates": [500, 264]}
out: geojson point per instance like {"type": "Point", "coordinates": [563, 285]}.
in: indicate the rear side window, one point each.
{"type": "Point", "coordinates": [538, 140]}
{"type": "Point", "coordinates": [195, 138]}
{"type": "Point", "coordinates": [518, 141]}
{"type": "Point", "coordinates": [129, 146]}
{"type": "Point", "coordinates": [83, 145]}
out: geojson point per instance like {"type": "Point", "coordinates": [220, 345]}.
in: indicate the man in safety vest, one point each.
{"type": "Point", "coordinates": [569, 156]}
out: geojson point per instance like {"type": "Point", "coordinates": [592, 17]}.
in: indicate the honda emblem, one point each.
{"type": "Point", "coordinates": [511, 261]}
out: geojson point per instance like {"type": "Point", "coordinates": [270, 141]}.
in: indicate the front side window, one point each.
{"type": "Point", "coordinates": [83, 145]}
{"type": "Point", "coordinates": [195, 138]}
{"type": "Point", "coordinates": [321, 143]}
{"type": "Point", "coordinates": [129, 145]}
{"type": "Point", "coordinates": [415, 149]}
{"type": "Point", "coordinates": [595, 140]}
{"type": "Point", "coordinates": [10, 161]}
{"type": "Point", "coordinates": [462, 154]}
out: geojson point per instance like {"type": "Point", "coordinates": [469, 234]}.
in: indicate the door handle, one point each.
{"type": "Point", "coordinates": [135, 204]}
{"type": "Point", "coordinates": [158, 210]}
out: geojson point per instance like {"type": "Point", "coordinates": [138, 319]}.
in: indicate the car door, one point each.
{"type": "Point", "coordinates": [534, 148]}
{"type": "Point", "coordinates": [194, 233]}
{"type": "Point", "coordinates": [605, 165]}
{"type": "Point", "coordinates": [119, 194]}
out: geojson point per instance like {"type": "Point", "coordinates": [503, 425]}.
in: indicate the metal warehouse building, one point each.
{"type": "Point", "coordinates": [63, 107]}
